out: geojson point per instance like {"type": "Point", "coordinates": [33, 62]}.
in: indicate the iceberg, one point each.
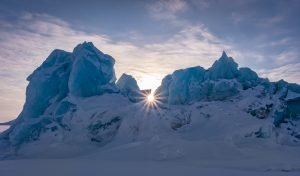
{"type": "Point", "coordinates": [74, 101]}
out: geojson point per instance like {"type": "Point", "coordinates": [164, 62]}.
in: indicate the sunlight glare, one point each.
{"type": "Point", "coordinates": [150, 98]}
{"type": "Point", "coordinates": [148, 82]}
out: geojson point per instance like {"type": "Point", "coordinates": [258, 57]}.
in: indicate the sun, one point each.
{"type": "Point", "coordinates": [150, 98]}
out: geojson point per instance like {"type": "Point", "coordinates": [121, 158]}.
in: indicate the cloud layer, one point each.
{"type": "Point", "coordinates": [167, 9]}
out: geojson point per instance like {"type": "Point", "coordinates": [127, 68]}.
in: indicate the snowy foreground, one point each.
{"type": "Point", "coordinates": [77, 120]}
{"type": "Point", "coordinates": [194, 150]}
{"type": "Point", "coordinates": [89, 167]}
{"type": "Point", "coordinates": [210, 145]}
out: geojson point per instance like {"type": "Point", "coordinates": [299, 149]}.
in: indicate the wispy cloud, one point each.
{"type": "Point", "coordinates": [279, 42]}
{"type": "Point", "coordinates": [194, 45]}
{"type": "Point", "coordinates": [287, 57]}
{"type": "Point", "coordinates": [167, 9]}
{"type": "Point", "coordinates": [236, 18]}
{"type": "Point", "coordinates": [288, 72]}
{"type": "Point", "coordinates": [270, 21]}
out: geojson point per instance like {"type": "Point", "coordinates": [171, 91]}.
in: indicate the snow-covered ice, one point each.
{"type": "Point", "coordinates": [77, 120]}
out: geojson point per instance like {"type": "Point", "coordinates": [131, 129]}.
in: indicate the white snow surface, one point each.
{"type": "Point", "coordinates": [214, 143]}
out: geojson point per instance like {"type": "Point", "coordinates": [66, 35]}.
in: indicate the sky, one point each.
{"type": "Point", "coordinates": [148, 39]}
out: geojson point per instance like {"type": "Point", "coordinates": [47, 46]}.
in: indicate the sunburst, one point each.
{"type": "Point", "coordinates": [151, 100]}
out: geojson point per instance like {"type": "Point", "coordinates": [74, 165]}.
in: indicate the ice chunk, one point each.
{"type": "Point", "coordinates": [127, 83]}
{"type": "Point", "coordinates": [46, 83]}
{"type": "Point", "coordinates": [188, 85]}
{"type": "Point", "coordinates": [92, 71]}
{"type": "Point", "coordinates": [224, 68]}
{"type": "Point", "coordinates": [294, 87]}
{"type": "Point", "coordinates": [247, 77]}
{"type": "Point", "coordinates": [28, 130]}
{"type": "Point", "coordinates": [269, 87]}
{"type": "Point", "coordinates": [192, 84]}
{"type": "Point", "coordinates": [280, 114]}
{"type": "Point", "coordinates": [224, 89]}
{"type": "Point", "coordinates": [292, 95]}
{"type": "Point", "coordinates": [293, 104]}
{"type": "Point", "coordinates": [162, 92]}
{"type": "Point", "coordinates": [281, 84]}
{"type": "Point", "coordinates": [183, 85]}
{"type": "Point", "coordinates": [85, 72]}
{"type": "Point", "coordinates": [129, 87]}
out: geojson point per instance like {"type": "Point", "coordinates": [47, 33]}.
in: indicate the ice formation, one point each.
{"type": "Point", "coordinates": [92, 72]}
{"type": "Point", "coordinates": [219, 82]}
{"type": "Point", "coordinates": [72, 101]}
{"type": "Point", "coordinates": [224, 68]}
{"type": "Point", "coordinates": [52, 87]}
{"type": "Point", "coordinates": [129, 87]}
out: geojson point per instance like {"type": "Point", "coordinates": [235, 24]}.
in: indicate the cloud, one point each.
{"type": "Point", "coordinates": [167, 9]}
{"type": "Point", "coordinates": [287, 57]}
{"type": "Point", "coordinates": [236, 18]}
{"type": "Point", "coordinates": [200, 4]}
{"type": "Point", "coordinates": [270, 21]}
{"type": "Point", "coordinates": [194, 45]}
{"type": "Point", "coordinates": [274, 43]}
{"type": "Point", "coordinates": [288, 72]}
